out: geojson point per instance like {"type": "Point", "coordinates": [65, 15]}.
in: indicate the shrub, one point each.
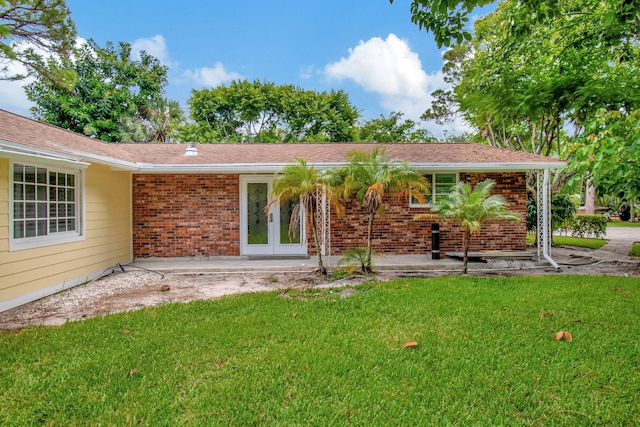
{"type": "Point", "coordinates": [583, 225]}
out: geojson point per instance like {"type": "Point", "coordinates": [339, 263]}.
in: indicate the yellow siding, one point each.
{"type": "Point", "coordinates": [107, 201]}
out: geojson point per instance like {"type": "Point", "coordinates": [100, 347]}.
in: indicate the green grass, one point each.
{"type": "Point", "coordinates": [623, 224]}
{"type": "Point", "coordinates": [486, 356]}
{"type": "Point", "coordinates": [572, 241]}
{"type": "Point", "coordinates": [635, 250]}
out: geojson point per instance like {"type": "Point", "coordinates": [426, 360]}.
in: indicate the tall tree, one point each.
{"type": "Point", "coordinates": [471, 208]}
{"type": "Point", "coordinates": [265, 112]}
{"type": "Point", "coordinates": [32, 28]}
{"type": "Point", "coordinates": [157, 122]}
{"type": "Point", "coordinates": [393, 129]}
{"type": "Point", "coordinates": [448, 19]}
{"type": "Point", "coordinates": [528, 93]}
{"type": "Point", "coordinates": [371, 176]}
{"type": "Point", "coordinates": [111, 86]}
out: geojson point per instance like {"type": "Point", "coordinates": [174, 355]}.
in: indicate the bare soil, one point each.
{"type": "Point", "coordinates": [138, 289]}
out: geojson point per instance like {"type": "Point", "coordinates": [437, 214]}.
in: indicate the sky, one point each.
{"type": "Point", "coordinates": [368, 48]}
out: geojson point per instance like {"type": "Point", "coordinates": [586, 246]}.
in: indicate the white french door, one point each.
{"type": "Point", "coordinates": [267, 234]}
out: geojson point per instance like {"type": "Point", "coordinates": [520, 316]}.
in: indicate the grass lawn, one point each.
{"type": "Point", "coordinates": [486, 355]}
{"type": "Point", "coordinates": [623, 224]}
{"type": "Point", "coordinates": [572, 241]}
{"type": "Point", "coordinates": [635, 250]}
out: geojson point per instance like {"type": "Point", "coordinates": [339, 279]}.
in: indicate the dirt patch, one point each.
{"type": "Point", "coordinates": [135, 289]}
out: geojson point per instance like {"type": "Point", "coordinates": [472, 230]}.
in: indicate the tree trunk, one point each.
{"type": "Point", "coordinates": [466, 239]}
{"type": "Point", "coordinates": [367, 267]}
{"type": "Point", "coordinates": [316, 238]}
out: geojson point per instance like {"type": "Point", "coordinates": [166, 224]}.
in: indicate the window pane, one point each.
{"type": "Point", "coordinates": [53, 210]}
{"type": "Point", "coordinates": [18, 210]}
{"type": "Point", "coordinates": [444, 182]}
{"type": "Point", "coordinates": [42, 227]}
{"type": "Point", "coordinates": [30, 229]}
{"type": "Point", "coordinates": [41, 177]}
{"type": "Point", "coordinates": [71, 209]}
{"type": "Point", "coordinates": [71, 195]}
{"type": "Point", "coordinates": [61, 194]}
{"type": "Point", "coordinates": [18, 229]}
{"type": "Point", "coordinates": [30, 210]}
{"type": "Point", "coordinates": [62, 225]}
{"type": "Point", "coordinates": [61, 180]}
{"type": "Point", "coordinates": [18, 173]}
{"type": "Point", "coordinates": [30, 192]}
{"type": "Point", "coordinates": [53, 226]}
{"type": "Point", "coordinates": [42, 210]}
{"type": "Point", "coordinates": [61, 210]}
{"type": "Point", "coordinates": [71, 224]}
{"type": "Point", "coordinates": [52, 178]}
{"type": "Point", "coordinates": [29, 174]}
{"type": "Point", "coordinates": [41, 191]}
{"type": "Point", "coordinates": [18, 192]}
{"type": "Point", "coordinates": [71, 180]}
{"type": "Point", "coordinates": [52, 194]}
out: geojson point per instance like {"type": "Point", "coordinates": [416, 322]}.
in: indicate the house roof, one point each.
{"type": "Point", "coordinates": [21, 135]}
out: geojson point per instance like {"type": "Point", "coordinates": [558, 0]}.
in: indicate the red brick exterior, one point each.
{"type": "Point", "coordinates": [186, 215]}
{"type": "Point", "coordinates": [199, 216]}
{"type": "Point", "coordinates": [396, 232]}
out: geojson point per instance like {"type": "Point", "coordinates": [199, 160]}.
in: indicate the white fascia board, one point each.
{"type": "Point", "coordinates": [488, 167]}
{"type": "Point", "coordinates": [103, 160]}
{"type": "Point", "coordinates": [21, 152]}
{"type": "Point", "coordinates": [244, 168]}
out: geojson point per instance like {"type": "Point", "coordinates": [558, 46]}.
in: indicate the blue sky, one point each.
{"type": "Point", "coordinates": [368, 48]}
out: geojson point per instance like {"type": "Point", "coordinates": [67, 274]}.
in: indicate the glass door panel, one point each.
{"type": "Point", "coordinates": [257, 220]}
{"type": "Point", "coordinates": [289, 233]}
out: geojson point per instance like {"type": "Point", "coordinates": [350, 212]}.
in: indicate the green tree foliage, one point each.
{"type": "Point", "coordinates": [471, 208]}
{"type": "Point", "coordinates": [32, 28]}
{"type": "Point", "coordinates": [393, 129]}
{"type": "Point", "coordinates": [608, 152]}
{"type": "Point", "coordinates": [265, 112]}
{"type": "Point", "coordinates": [371, 176]}
{"type": "Point", "coordinates": [157, 122]}
{"type": "Point", "coordinates": [526, 93]}
{"type": "Point", "coordinates": [448, 19]}
{"type": "Point", "coordinates": [110, 87]}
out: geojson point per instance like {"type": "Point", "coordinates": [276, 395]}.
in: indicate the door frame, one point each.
{"type": "Point", "coordinates": [274, 247]}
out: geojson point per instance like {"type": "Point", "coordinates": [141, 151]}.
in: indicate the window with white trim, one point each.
{"type": "Point", "coordinates": [439, 185]}
{"type": "Point", "coordinates": [45, 205]}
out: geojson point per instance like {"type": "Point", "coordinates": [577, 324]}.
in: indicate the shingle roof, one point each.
{"type": "Point", "coordinates": [30, 134]}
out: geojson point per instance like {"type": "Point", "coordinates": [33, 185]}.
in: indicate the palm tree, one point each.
{"type": "Point", "coordinates": [303, 183]}
{"type": "Point", "coordinates": [369, 176]}
{"type": "Point", "coordinates": [154, 122]}
{"type": "Point", "coordinates": [471, 208]}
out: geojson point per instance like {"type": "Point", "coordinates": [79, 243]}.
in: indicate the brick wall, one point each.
{"type": "Point", "coordinates": [198, 216]}
{"type": "Point", "coordinates": [186, 215]}
{"type": "Point", "coordinates": [395, 230]}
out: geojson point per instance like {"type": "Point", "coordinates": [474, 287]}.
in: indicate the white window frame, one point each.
{"type": "Point", "coordinates": [50, 238]}
{"type": "Point", "coordinates": [431, 198]}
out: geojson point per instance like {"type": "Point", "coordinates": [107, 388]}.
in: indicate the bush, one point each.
{"type": "Point", "coordinates": [594, 226]}
{"type": "Point", "coordinates": [563, 207]}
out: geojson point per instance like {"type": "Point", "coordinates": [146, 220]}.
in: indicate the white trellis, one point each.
{"type": "Point", "coordinates": [543, 226]}
{"type": "Point", "coordinates": [323, 222]}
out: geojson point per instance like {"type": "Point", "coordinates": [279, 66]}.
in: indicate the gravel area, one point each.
{"type": "Point", "coordinates": [136, 289]}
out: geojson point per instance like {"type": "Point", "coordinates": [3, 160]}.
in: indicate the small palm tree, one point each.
{"type": "Point", "coordinates": [471, 208]}
{"type": "Point", "coordinates": [303, 183]}
{"type": "Point", "coordinates": [370, 176]}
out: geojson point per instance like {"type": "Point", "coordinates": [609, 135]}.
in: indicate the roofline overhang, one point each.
{"type": "Point", "coordinates": [262, 168]}
{"type": "Point", "coordinates": [14, 150]}
{"type": "Point", "coordinates": [79, 157]}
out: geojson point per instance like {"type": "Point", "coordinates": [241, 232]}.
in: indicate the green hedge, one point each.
{"type": "Point", "coordinates": [583, 225]}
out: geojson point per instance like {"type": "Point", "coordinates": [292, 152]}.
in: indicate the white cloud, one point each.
{"type": "Point", "coordinates": [390, 69]}
{"type": "Point", "coordinates": [211, 77]}
{"type": "Point", "coordinates": [12, 95]}
{"type": "Point", "coordinates": [154, 46]}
